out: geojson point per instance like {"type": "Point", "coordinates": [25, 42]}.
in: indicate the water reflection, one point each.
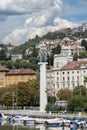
{"type": "Point", "coordinates": [19, 126]}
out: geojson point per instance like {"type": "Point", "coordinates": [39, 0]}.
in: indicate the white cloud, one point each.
{"type": "Point", "coordinates": [29, 30]}
{"type": "Point", "coordinates": [5, 4]}
{"type": "Point", "coordinates": [41, 15]}
{"type": "Point", "coordinates": [28, 6]}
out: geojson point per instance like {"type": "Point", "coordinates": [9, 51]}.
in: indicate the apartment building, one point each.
{"type": "Point", "coordinates": [68, 74]}
{"type": "Point", "coordinates": [11, 76]}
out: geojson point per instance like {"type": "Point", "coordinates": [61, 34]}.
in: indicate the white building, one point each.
{"type": "Point", "coordinates": [70, 50]}
{"type": "Point", "coordinates": [16, 57]}
{"type": "Point", "coordinates": [68, 74]}
{"type": "Point", "coordinates": [29, 51]}
{"type": "Point", "coordinates": [84, 26]}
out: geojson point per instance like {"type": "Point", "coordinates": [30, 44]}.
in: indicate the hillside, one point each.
{"type": "Point", "coordinates": [49, 36]}
{"type": "Point", "coordinates": [21, 48]}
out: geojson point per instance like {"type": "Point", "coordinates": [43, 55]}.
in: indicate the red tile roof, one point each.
{"type": "Point", "coordinates": [74, 65]}
{"type": "Point", "coordinates": [20, 71]}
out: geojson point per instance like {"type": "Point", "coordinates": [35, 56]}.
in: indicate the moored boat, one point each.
{"type": "Point", "coordinates": [51, 124]}
{"type": "Point", "coordinates": [57, 123]}
{"type": "Point", "coordinates": [28, 120]}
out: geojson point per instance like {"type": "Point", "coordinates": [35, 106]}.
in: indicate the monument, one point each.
{"type": "Point", "coordinates": [43, 94]}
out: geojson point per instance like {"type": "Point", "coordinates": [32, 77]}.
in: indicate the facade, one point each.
{"type": "Point", "coordinates": [69, 75]}
{"type": "Point", "coordinates": [16, 57]}
{"type": "Point", "coordinates": [3, 71]}
{"type": "Point", "coordinates": [14, 76]}
{"type": "Point", "coordinates": [50, 86]}
{"type": "Point", "coordinates": [71, 50]}
{"type": "Point", "coordinates": [62, 103]}
{"type": "Point", "coordinates": [29, 50]}
{"type": "Point", "coordinates": [10, 47]}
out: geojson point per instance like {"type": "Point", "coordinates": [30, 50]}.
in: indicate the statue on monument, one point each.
{"type": "Point", "coordinates": [42, 57]}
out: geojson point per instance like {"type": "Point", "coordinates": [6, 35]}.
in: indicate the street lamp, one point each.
{"type": "Point", "coordinates": [16, 95]}
{"type": "Point", "coordinates": [13, 100]}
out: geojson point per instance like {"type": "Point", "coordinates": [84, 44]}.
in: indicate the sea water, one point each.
{"type": "Point", "coordinates": [19, 126]}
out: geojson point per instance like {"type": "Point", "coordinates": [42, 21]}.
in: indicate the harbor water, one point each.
{"type": "Point", "coordinates": [18, 126]}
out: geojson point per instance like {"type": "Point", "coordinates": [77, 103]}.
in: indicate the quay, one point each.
{"type": "Point", "coordinates": [38, 114]}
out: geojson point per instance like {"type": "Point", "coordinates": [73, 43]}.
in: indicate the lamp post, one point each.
{"type": "Point", "coordinates": [13, 100]}
{"type": "Point", "coordinates": [16, 95]}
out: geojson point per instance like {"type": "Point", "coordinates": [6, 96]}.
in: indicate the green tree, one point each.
{"type": "Point", "coordinates": [17, 64]}
{"type": "Point", "coordinates": [52, 99]}
{"type": "Point", "coordinates": [35, 52]}
{"type": "Point", "coordinates": [2, 91]}
{"type": "Point", "coordinates": [35, 92]}
{"type": "Point", "coordinates": [9, 64]}
{"type": "Point", "coordinates": [75, 57]}
{"type": "Point", "coordinates": [7, 99]}
{"type": "Point", "coordinates": [64, 94]}
{"type": "Point", "coordinates": [24, 64]}
{"type": "Point", "coordinates": [76, 103]}
{"type": "Point", "coordinates": [79, 90]}
{"type": "Point", "coordinates": [84, 43]}
{"type": "Point", "coordinates": [57, 50]}
{"type": "Point", "coordinates": [25, 94]}
{"type": "Point", "coordinates": [2, 54]}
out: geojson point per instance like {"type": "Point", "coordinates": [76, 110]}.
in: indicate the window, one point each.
{"type": "Point", "coordinates": [73, 85]}
{"type": "Point", "coordinates": [72, 72]}
{"type": "Point", "coordinates": [68, 78]}
{"type": "Point", "coordinates": [57, 78]}
{"type": "Point", "coordinates": [63, 73]}
{"type": "Point", "coordinates": [67, 72]}
{"type": "Point", "coordinates": [78, 84]}
{"type": "Point", "coordinates": [1, 78]}
{"type": "Point", "coordinates": [77, 78]}
{"type": "Point", "coordinates": [63, 85]}
{"type": "Point", "coordinates": [63, 78]}
{"type": "Point", "coordinates": [77, 71]}
{"type": "Point", "coordinates": [68, 85]}
{"type": "Point", "coordinates": [57, 73]}
{"type": "Point", "coordinates": [72, 78]}
{"type": "Point", "coordinates": [57, 85]}
{"type": "Point", "coordinates": [31, 78]}
{"type": "Point", "coordinates": [57, 64]}
{"type": "Point", "coordinates": [22, 77]}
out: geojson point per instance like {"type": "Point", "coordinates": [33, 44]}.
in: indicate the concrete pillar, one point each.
{"type": "Point", "coordinates": [43, 93]}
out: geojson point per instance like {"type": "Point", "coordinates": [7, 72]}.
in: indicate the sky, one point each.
{"type": "Point", "coordinates": [21, 20]}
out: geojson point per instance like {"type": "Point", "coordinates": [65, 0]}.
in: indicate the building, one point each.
{"type": "Point", "coordinates": [29, 50]}
{"type": "Point", "coordinates": [12, 76]}
{"type": "Point", "coordinates": [62, 103]}
{"type": "Point", "coordinates": [84, 26]}
{"type": "Point", "coordinates": [16, 57]}
{"type": "Point", "coordinates": [69, 74]}
{"type": "Point", "coordinates": [10, 47]}
{"type": "Point", "coordinates": [71, 50]}
{"type": "Point", "coordinates": [50, 87]}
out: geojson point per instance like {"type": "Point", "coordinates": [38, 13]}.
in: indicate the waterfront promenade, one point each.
{"type": "Point", "coordinates": [38, 114]}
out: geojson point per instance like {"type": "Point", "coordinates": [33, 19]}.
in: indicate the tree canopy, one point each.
{"type": "Point", "coordinates": [64, 94]}
{"type": "Point", "coordinates": [25, 94]}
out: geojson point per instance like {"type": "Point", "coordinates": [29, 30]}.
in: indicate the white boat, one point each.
{"type": "Point", "coordinates": [23, 119]}
{"type": "Point", "coordinates": [40, 120]}
{"type": "Point", "coordinates": [57, 123]}
{"type": "Point", "coordinates": [17, 118]}
{"type": "Point", "coordinates": [28, 120]}
{"type": "Point", "coordinates": [3, 117]}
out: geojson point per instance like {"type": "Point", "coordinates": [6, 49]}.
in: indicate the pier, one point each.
{"type": "Point", "coordinates": [36, 113]}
